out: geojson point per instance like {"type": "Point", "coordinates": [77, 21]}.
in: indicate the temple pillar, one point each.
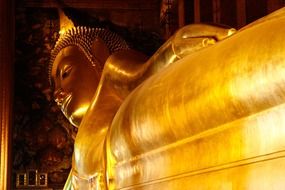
{"type": "Point", "coordinates": [6, 89]}
{"type": "Point", "coordinates": [241, 13]}
{"type": "Point", "coordinates": [181, 13]}
{"type": "Point", "coordinates": [216, 11]}
{"type": "Point", "coordinates": [197, 11]}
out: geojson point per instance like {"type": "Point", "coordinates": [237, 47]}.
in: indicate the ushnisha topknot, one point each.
{"type": "Point", "coordinates": [83, 37]}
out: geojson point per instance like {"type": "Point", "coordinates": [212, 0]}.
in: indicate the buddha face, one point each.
{"type": "Point", "coordinates": [75, 81]}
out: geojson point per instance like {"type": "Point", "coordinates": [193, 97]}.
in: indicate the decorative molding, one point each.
{"type": "Point", "coordinates": [98, 4]}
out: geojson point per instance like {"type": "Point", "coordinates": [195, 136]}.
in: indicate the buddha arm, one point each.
{"type": "Point", "coordinates": [185, 41]}
{"type": "Point", "coordinates": [126, 69]}
{"type": "Point", "coordinates": [216, 107]}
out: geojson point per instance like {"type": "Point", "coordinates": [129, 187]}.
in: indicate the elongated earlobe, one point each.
{"type": "Point", "coordinates": [100, 51]}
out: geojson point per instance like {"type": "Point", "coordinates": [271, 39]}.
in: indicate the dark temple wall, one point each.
{"type": "Point", "coordinates": [41, 135]}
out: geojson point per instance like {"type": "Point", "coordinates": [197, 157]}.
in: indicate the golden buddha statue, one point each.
{"type": "Point", "coordinates": [205, 111]}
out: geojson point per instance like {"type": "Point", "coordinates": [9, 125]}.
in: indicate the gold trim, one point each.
{"type": "Point", "coordinates": [45, 184]}
{"type": "Point", "coordinates": [18, 184]}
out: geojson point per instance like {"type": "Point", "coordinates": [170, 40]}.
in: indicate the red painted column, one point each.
{"type": "Point", "coordinates": [181, 13]}
{"type": "Point", "coordinates": [241, 13]}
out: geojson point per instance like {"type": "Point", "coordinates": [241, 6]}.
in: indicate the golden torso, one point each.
{"type": "Point", "coordinates": [124, 71]}
{"type": "Point", "coordinates": [213, 119]}
{"type": "Point", "coordinates": [115, 84]}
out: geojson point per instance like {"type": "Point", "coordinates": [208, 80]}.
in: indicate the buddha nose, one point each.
{"type": "Point", "coordinates": [59, 96]}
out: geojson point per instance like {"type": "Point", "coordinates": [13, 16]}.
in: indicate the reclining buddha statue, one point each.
{"type": "Point", "coordinates": [206, 111]}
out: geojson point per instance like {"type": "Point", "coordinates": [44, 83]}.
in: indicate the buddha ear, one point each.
{"type": "Point", "coordinates": [100, 50]}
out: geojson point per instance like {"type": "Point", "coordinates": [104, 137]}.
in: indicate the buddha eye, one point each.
{"type": "Point", "coordinates": [66, 71]}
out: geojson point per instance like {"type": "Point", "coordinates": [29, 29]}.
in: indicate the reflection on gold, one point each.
{"type": "Point", "coordinates": [65, 23]}
{"type": "Point", "coordinates": [79, 113]}
{"type": "Point", "coordinates": [206, 111]}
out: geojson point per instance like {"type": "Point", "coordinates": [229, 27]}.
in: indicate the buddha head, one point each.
{"type": "Point", "coordinates": [76, 64]}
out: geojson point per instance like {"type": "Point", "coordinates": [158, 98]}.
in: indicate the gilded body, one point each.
{"type": "Point", "coordinates": [205, 111]}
